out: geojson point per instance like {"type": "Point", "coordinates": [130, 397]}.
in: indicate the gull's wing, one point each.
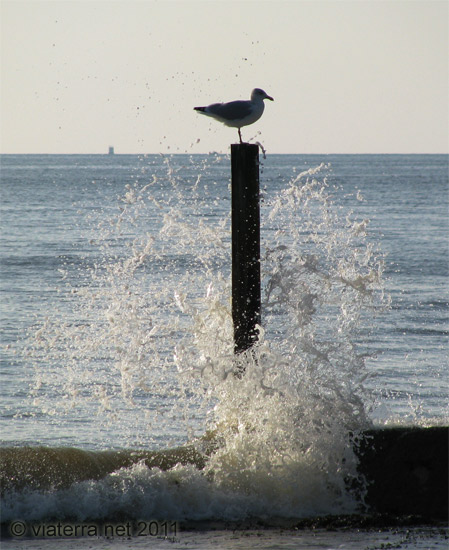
{"type": "Point", "coordinates": [235, 110]}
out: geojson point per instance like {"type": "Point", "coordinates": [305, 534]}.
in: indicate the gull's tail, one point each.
{"type": "Point", "coordinates": [200, 109]}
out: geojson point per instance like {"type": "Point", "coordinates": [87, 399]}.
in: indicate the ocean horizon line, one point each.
{"type": "Point", "coordinates": [106, 154]}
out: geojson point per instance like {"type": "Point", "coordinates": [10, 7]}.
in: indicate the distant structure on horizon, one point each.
{"type": "Point", "coordinates": [111, 151]}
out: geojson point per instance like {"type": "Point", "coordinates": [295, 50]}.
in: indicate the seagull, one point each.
{"type": "Point", "coordinates": [238, 113]}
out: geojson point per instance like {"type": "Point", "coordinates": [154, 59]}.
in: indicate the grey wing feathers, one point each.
{"type": "Point", "coordinates": [231, 111]}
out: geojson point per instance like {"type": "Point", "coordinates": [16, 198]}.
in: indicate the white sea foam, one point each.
{"type": "Point", "coordinates": [151, 333]}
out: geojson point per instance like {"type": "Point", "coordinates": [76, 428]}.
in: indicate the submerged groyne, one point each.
{"type": "Point", "coordinates": [405, 469]}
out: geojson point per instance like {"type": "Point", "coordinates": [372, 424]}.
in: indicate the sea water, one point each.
{"type": "Point", "coordinates": [117, 332]}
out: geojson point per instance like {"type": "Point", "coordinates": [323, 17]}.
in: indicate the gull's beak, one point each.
{"type": "Point", "coordinates": [269, 97]}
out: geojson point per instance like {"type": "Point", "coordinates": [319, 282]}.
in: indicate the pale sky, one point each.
{"type": "Point", "coordinates": [359, 76]}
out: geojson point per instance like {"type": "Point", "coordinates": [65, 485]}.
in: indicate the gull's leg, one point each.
{"type": "Point", "coordinates": [240, 136]}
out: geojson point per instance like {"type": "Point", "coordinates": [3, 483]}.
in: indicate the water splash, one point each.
{"type": "Point", "coordinates": [150, 337]}
{"type": "Point", "coordinates": [283, 429]}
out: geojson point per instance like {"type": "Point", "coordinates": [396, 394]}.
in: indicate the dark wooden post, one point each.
{"type": "Point", "coordinates": [245, 245]}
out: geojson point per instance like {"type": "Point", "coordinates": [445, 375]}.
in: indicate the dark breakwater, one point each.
{"type": "Point", "coordinates": [43, 468]}
{"type": "Point", "coordinates": [406, 472]}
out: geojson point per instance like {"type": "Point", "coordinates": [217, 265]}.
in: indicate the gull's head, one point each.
{"type": "Point", "coordinates": [259, 95]}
